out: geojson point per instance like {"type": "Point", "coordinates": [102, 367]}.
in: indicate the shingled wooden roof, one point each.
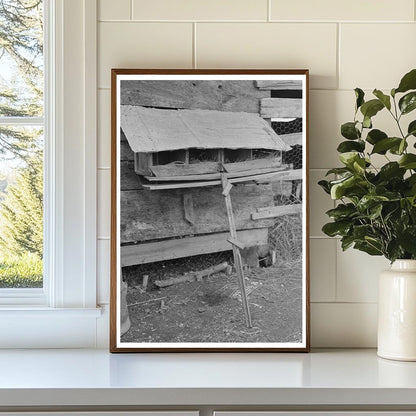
{"type": "Point", "coordinates": [151, 130]}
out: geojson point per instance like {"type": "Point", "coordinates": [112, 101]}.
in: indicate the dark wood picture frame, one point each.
{"type": "Point", "coordinates": [157, 170]}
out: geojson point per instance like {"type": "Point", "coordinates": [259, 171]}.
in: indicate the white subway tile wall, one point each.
{"type": "Point", "coordinates": [352, 10]}
{"type": "Point", "coordinates": [345, 44]}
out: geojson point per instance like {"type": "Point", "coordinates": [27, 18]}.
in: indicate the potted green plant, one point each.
{"type": "Point", "coordinates": [376, 206]}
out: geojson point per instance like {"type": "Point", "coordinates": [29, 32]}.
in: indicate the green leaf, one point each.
{"type": "Point", "coordinates": [338, 171]}
{"type": "Point", "coordinates": [375, 136]}
{"type": "Point", "coordinates": [385, 99]}
{"type": "Point", "coordinates": [383, 145]}
{"type": "Point", "coordinates": [359, 95]}
{"type": "Point", "coordinates": [359, 165]}
{"type": "Point", "coordinates": [367, 122]}
{"type": "Point", "coordinates": [393, 250]}
{"type": "Point", "coordinates": [411, 130]}
{"type": "Point", "coordinates": [408, 161]}
{"type": "Point", "coordinates": [408, 102]}
{"type": "Point", "coordinates": [346, 242]}
{"type": "Point", "coordinates": [349, 131]}
{"type": "Point", "coordinates": [342, 211]}
{"type": "Point", "coordinates": [336, 228]}
{"type": "Point", "coordinates": [349, 146]}
{"type": "Point", "coordinates": [368, 201]}
{"type": "Point", "coordinates": [348, 158]}
{"type": "Point", "coordinates": [368, 248]}
{"type": "Point", "coordinates": [407, 240]}
{"type": "Point", "coordinates": [325, 185]}
{"type": "Point", "coordinates": [408, 82]}
{"type": "Point", "coordinates": [375, 211]}
{"type": "Point", "coordinates": [391, 170]}
{"type": "Point", "coordinates": [400, 148]}
{"type": "Point", "coordinates": [339, 188]}
{"type": "Point", "coordinates": [371, 108]}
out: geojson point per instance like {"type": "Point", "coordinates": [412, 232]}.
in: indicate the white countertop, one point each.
{"type": "Point", "coordinates": [96, 377]}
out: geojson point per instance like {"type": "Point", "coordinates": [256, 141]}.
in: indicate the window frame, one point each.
{"type": "Point", "coordinates": [69, 291]}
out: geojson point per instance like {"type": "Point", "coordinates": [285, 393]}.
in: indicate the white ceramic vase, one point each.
{"type": "Point", "coordinates": [397, 312]}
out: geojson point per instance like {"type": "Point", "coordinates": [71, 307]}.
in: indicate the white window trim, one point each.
{"type": "Point", "coordinates": [67, 315]}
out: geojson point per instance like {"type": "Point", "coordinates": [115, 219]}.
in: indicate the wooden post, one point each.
{"type": "Point", "coordinates": [236, 251]}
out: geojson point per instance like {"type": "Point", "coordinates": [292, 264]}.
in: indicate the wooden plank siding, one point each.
{"type": "Point", "coordinates": [208, 95]}
{"type": "Point", "coordinates": [276, 211]}
{"type": "Point", "coordinates": [279, 85]}
{"type": "Point", "coordinates": [189, 246]}
{"type": "Point", "coordinates": [157, 219]}
{"type": "Point", "coordinates": [281, 107]}
{"type": "Point", "coordinates": [149, 215]}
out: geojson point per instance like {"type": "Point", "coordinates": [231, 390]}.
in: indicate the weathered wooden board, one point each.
{"type": "Point", "coordinates": [148, 215]}
{"type": "Point", "coordinates": [180, 170]}
{"type": "Point", "coordinates": [156, 130]}
{"type": "Point", "coordinates": [281, 107]}
{"type": "Point", "coordinates": [292, 138]}
{"type": "Point", "coordinates": [279, 85]}
{"type": "Point", "coordinates": [212, 176]}
{"type": "Point", "coordinates": [276, 211]}
{"type": "Point", "coordinates": [209, 95]}
{"type": "Point", "coordinates": [189, 246]}
{"type": "Point", "coordinates": [287, 175]}
{"type": "Point", "coordinates": [252, 164]}
{"type": "Point", "coordinates": [125, 151]}
{"type": "Point", "coordinates": [262, 175]}
{"type": "Point", "coordinates": [129, 180]}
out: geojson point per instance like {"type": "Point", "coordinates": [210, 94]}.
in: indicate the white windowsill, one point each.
{"type": "Point", "coordinates": [323, 378]}
{"type": "Point", "coordinates": [36, 312]}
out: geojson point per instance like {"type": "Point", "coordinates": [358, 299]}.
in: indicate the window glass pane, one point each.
{"type": "Point", "coordinates": [21, 208]}
{"type": "Point", "coordinates": [21, 58]}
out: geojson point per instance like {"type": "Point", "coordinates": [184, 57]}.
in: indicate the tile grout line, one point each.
{"type": "Point", "coordinates": [131, 9]}
{"type": "Point", "coordinates": [269, 10]}
{"type": "Point", "coordinates": [308, 22]}
{"type": "Point", "coordinates": [338, 56]}
{"type": "Point", "coordinates": [336, 271]}
{"type": "Point", "coordinates": [194, 62]}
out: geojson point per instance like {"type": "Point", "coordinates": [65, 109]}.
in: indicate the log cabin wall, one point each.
{"type": "Point", "coordinates": [154, 215]}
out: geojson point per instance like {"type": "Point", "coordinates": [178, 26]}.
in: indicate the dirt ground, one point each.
{"type": "Point", "coordinates": [211, 310]}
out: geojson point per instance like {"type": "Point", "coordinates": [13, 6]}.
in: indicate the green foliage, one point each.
{"type": "Point", "coordinates": [20, 271]}
{"type": "Point", "coordinates": [376, 210]}
{"type": "Point", "coordinates": [21, 213]}
{"type": "Point", "coordinates": [21, 95]}
{"type": "Point", "coordinates": [21, 83]}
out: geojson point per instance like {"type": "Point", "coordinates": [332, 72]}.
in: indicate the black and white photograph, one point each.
{"type": "Point", "coordinates": [209, 244]}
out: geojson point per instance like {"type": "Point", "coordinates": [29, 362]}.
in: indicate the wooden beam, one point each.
{"type": "Point", "coordinates": [289, 175]}
{"type": "Point", "coordinates": [211, 176]}
{"type": "Point", "coordinates": [174, 170]}
{"type": "Point", "coordinates": [264, 177]}
{"type": "Point", "coordinates": [276, 211]}
{"type": "Point", "coordinates": [279, 85]}
{"type": "Point", "coordinates": [188, 206]}
{"type": "Point", "coordinates": [236, 95]}
{"type": "Point", "coordinates": [188, 246]}
{"type": "Point", "coordinates": [238, 262]}
{"type": "Point", "coordinates": [250, 165]}
{"type": "Point", "coordinates": [281, 108]}
{"type": "Point", "coordinates": [236, 243]}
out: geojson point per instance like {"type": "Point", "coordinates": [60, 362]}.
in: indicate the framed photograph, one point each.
{"type": "Point", "coordinates": [209, 211]}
